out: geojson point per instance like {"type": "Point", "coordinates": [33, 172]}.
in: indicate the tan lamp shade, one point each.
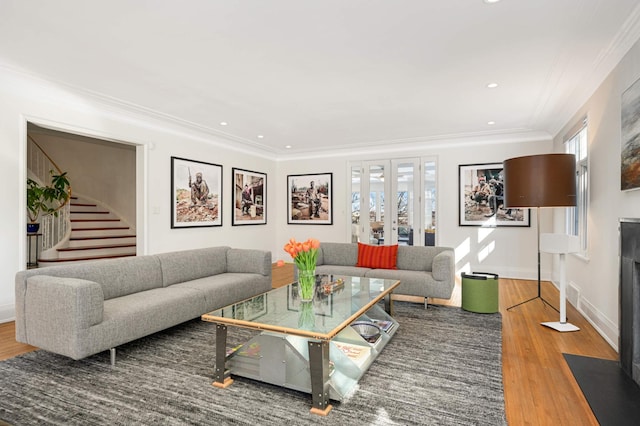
{"type": "Point", "coordinates": [547, 180]}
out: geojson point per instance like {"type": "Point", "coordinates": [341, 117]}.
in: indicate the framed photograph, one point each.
{"type": "Point", "coordinates": [630, 150]}
{"type": "Point", "coordinates": [310, 199]}
{"type": "Point", "coordinates": [249, 197]}
{"type": "Point", "coordinates": [196, 193]}
{"type": "Point", "coordinates": [481, 198]}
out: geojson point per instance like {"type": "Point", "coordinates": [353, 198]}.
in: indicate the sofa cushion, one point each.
{"type": "Point", "coordinates": [350, 271]}
{"type": "Point", "coordinates": [383, 257]}
{"type": "Point", "coordinates": [416, 258]}
{"type": "Point", "coordinates": [338, 254]}
{"type": "Point", "coordinates": [190, 265]}
{"type": "Point", "coordinates": [117, 277]}
{"type": "Point", "coordinates": [221, 290]}
{"type": "Point", "coordinates": [248, 261]}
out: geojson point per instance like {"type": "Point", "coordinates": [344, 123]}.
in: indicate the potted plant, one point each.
{"type": "Point", "coordinates": [43, 200]}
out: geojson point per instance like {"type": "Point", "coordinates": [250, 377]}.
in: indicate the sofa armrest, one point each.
{"type": "Point", "coordinates": [57, 309]}
{"type": "Point", "coordinates": [249, 261]}
{"type": "Point", "coordinates": [443, 267]}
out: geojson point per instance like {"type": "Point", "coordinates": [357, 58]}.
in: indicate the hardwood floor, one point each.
{"type": "Point", "coordinates": [538, 385]}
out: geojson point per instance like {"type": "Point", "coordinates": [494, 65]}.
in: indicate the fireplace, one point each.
{"type": "Point", "coordinates": [629, 316]}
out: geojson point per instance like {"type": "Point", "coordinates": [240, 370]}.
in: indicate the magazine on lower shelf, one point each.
{"type": "Point", "coordinates": [356, 353]}
{"type": "Point", "coordinates": [385, 325]}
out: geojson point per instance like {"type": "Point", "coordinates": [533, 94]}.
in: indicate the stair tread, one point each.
{"type": "Point", "coordinates": [103, 228]}
{"type": "Point", "coordinates": [84, 204]}
{"type": "Point", "coordinates": [104, 246]}
{"type": "Point", "coordinates": [88, 212]}
{"type": "Point", "coordinates": [105, 237]}
{"type": "Point", "coordinates": [75, 259]}
{"type": "Point", "coordinates": [95, 220]}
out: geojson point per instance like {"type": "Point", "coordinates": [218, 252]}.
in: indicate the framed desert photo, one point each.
{"type": "Point", "coordinates": [481, 198]}
{"type": "Point", "coordinates": [310, 199]}
{"type": "Point", "coordinates": [196, 193]}
{"type": "Point", "coordinates": [249, 197]}
{"type": "Point", "coordinates": [630, 151]}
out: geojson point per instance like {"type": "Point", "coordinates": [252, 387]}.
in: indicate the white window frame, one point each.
{"type": "Point", "coordinates": [576, 218]}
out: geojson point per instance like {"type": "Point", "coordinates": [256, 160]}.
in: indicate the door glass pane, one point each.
{"type": "Point", "coordinates": [403, 222]}
{"type": "Point", "coordinates": [355, 203]}
{"type": "Point", "coordinates": [430, 203]}
{"type": "Point", "coordinates": [376, 203]}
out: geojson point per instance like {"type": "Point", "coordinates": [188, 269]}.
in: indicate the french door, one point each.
{"type": "Point", "coordinates": [393, 201]}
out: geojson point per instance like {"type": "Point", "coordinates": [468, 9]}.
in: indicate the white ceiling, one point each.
{"type": "Point", "coordinates": [330, 74]}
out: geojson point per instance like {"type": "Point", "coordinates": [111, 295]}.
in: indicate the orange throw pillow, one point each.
{"type": "Point", "coordinates": [380, 257]}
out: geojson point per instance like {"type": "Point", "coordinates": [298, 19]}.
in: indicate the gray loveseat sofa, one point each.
{"type": "Point", "coordinates": [422, 271]}
{"type": "Point", "coordinates": [80, 310]}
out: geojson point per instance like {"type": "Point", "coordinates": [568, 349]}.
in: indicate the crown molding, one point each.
{"type": "Point", "coordinates": [146, 116]}
{"type": "Point", "coordinates": [412, 145]}
{"type": "Point", "coordinates": [604, 64]}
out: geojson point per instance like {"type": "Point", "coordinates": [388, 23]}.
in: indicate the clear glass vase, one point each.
{"type": "Point", "coordinates": [307, 318]}
{"type": "Point", "coordinates": [306, 284]}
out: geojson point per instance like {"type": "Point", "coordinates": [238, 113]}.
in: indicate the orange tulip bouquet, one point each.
{"type": "Point", "coordinates": [304, 256]}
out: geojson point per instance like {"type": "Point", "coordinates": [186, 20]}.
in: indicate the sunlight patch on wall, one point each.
{"type": "Point", "coordinates": [484, 233]}
{"type": "Point", "coordinates": [463, 249]}
{"type": "Point", "coordinates": [486, 251]}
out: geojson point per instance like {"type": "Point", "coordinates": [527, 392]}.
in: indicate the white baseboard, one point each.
{"type": "Point", "coordinates": [603, 325]}
{"type": "Point", "coordinates": [7, 313]}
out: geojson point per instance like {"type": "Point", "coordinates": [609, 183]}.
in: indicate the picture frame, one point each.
{"type": "Point", "coordinates": [192, 203]}
{"type": "Point", "coordinates": [249, 193]}
{"type": "Point", "coordinates": [310, 199]}
{"type": "Point", "coordinates": [481, 198]}
{"type": "Point", "coordinates": [630, 138]}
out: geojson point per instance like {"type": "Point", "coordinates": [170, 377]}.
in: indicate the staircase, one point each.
{"type": "Point", "coordinates": [96, 233]}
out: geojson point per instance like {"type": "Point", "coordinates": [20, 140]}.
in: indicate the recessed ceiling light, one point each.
{"type": "Point", "coordinates": [288, 146]}
{"type": "Point", "coordinates": [492, 85]}
{"type": "Point", "coordinates": [223, 123]}
{"type": "Point", "coordinates": [491, 123]}
{"type": "Point", "coordinates": [260, 136]}
{"type": "Point", "coordinates": [491, 1]}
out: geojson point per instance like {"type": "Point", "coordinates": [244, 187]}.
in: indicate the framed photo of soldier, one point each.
{"type": "Point", "coordinates": [196, 193]}
{"type": "Point", "coordinates": [249, 198]}
{"type": "Point", "coordinates": [481, 198]}
{"type": "Point", "coordinates": [310, 199]}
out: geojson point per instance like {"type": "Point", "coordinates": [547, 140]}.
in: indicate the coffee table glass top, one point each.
{"type": "Point", "coordinates": [334, 307]}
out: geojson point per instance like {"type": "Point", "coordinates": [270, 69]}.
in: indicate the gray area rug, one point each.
{"type": "Point", "coordinates": [443, 367]}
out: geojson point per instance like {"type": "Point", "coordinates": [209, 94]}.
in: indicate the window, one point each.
{"type": "Point", "coordinates": [576, 217]}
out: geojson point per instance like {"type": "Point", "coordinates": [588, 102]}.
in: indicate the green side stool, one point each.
{"type": "Point", "coordinates": [480, 292]}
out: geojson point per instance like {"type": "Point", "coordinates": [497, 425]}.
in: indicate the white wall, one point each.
{"type": "Point", "coordinates": [27, 99]}
{"type": "Point", "coordinates": [507, 251]}
{"type": "Point", "coordinates": [597, 278]}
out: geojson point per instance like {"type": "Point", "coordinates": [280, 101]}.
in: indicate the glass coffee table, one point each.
{"type": "Point", "coordinates": [322, 347]}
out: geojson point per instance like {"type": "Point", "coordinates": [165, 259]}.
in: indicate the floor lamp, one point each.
{"type": "Point", "coordinates": [561, 244]}
{"type": "Point", "coordinates": [547, 180]}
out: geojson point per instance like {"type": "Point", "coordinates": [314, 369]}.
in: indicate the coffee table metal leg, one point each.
{"type": "Point", "coordinates": [319, 367]}
{"type": "Point", "coordinates": [222, 379]}
{"type": "Point", "coordinates": [388, 304]}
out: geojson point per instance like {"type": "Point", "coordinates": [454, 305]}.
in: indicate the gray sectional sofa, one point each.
{"type": "Point", "coordinates": [422, 271]}
{"type": "Point", "coordinates": [80, 310]}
